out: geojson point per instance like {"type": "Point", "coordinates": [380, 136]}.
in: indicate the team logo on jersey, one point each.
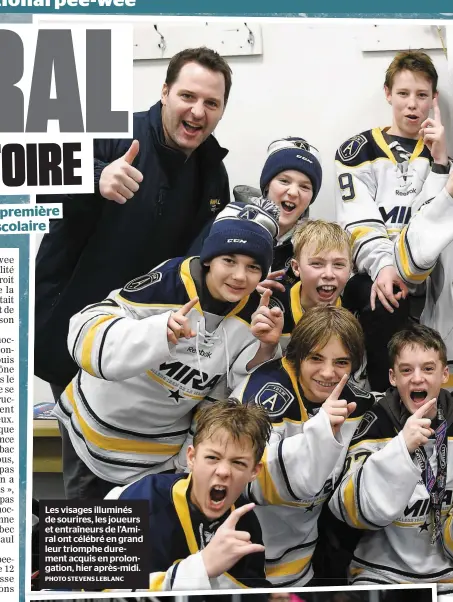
{"type": "Point", "coordinates": [137, 284]}
{"type": "Point", "coordinates": [273, 302]}
{"type": "Point", "coordinates": [367, 420]}
{"type": "Point", "coordinates": [274, 398]}
{"type": "Point", "coordinates": [358, 392]}
{"type": "Point", "coordinates": [248, 213]}
{"type": "Point", "coordinates": [351, 148]}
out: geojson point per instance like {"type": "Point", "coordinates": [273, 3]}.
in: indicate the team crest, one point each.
{"type": "Point", "coordinates": [367, 420]}
{"type": "Point", "coordinates": [351, 148]}
{"type": "Point", "coordinates": [357, 391]}
{"type": "Point", "coordinates": [248, 213]}
{"type": "Point", "coordinates": [137, 284]}
{"type": "Point", "coordinates": [300, 143]}
{"type": "Point", "coordinates": [274, 398]}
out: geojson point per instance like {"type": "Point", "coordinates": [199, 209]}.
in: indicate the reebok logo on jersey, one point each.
{"type": "Point", "coordinates": [401, 193]}
{"type": "Point", "coordinates": [244, 242]}
{"type": "Point", "coordinates": [201, 352]}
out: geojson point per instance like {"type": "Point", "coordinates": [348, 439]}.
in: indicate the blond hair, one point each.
{"type": "Point", "coordinates": [246, 420]}
{"type": "Point", "coordinates": [326, 236]}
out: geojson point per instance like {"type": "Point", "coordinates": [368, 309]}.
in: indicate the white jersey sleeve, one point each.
{"type": "Point", "coordinates": [297, 467]}
{"type": "Point", "coordinates": [378, 483]}
{"type": "Point", "coordinates": [421, 242]}
{"type": "Point", "coordinates": [116, 340]}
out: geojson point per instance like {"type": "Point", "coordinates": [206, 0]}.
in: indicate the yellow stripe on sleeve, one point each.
{"type": "Point", "coordinates": [288, 568]}
{"type": "Point", "coordinates": [409, 275]}
{"type": "Point", "coordinates": [116, 444]}
{"type": "Point", "coordinates": [350, 506]}
{"type": "Point", "coordinates": [88, 342]}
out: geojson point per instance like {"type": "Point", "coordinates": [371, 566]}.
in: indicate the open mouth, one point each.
{"type": "Point", "coordinates": [192, 128]}
{"type": "Point", "coordinates": [326, 291]}
{"type": "Point", "coordinates": [412, 117]}
{"type": "Point", "coordinates": [288, 207]}
{"type": "Point", "coordinates": [419, 395]}
{"type": "Point", "coordinates": [217, 494]}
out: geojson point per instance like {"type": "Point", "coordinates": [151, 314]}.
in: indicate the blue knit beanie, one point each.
{"type": "Point", "coordinates": [244, 229]}
{"type": "Point", "coordinates": [292, 153]}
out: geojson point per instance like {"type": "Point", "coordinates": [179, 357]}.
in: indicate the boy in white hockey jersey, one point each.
{"type": "Point", "coordinates": [311, 430]}
{"type": "Point", "coordinates": [204, 535]}
{"type": "Point", "coordinates": [151, 352]}
{"type": "Point", "coordinates": [381, 174]}
{"type": "Point", "coordinates": [425, 248]}
{"type": "Point", "coordinates": [398, 482]}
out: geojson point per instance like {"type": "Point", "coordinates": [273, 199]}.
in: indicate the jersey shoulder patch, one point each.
{"type": "Point", "coordinates": [137, 284]}
{"type": "Point", "coordinates": [368, 419]}
{"type": "Point", "coordinates": [160, 286]}
{"type": "Point", "coordinates": [356, 150]}
{"type": "Point", "coordinates": [274, 398]}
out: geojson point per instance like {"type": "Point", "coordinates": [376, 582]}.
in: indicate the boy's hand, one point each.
{"type": "Point", "coordinates": [383, 288]}
{"type": "Point", "coordinates": [178, 324]}
{"type": "Point", "coordinates": [267, 324]}
{"type": "Point", "coordinates": [119, 181]}
{"type": "Point", "coordinates": [228, 546]}
{"type": "Point", "coordinates": [433, 133]}
{"type": "Point", "coordinates": [338, 409]}
{"type": "Point", "coordinates": [417, 429]}
{"type": "Point", "coordinates": [271, 282]}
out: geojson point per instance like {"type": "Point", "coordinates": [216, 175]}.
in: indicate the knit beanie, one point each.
{"type": "Point", "coordinates": [292, 153]}
{"type": "Point", "coordinates": [244, 229]}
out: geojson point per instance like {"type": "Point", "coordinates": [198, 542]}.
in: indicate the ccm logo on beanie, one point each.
{"type": "Point", "coordinates": [244, 242]}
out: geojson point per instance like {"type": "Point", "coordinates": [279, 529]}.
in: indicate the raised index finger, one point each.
{"type": "Point", "coordinates": [188, 306]}
{"type": "Point", "coordinates": [436, 110]}
{"type": "Point", "coordinates": [426, 407]}
{"type": "Point", "coordinates": [339, 388]}
{"type": "Point", "coordinates": [265, 298]}
{"type": "Point", "coordinates": [234, 517]}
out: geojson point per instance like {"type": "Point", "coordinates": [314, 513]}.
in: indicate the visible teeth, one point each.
{"type": "Point", "coordinates": [288, 206]}
{"type": "Point", "coordinates": [328, 289]}
{"type": "Point", "coordinates": [192, 125]}
{"type": "Point", "coordinates": [326, 384]}
{"type": "Point", "coordinates": [219, 487]}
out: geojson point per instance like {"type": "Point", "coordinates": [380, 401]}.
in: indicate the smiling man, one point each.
{"type": "Point", "coordinates": [382, 175]}
{"type": "Point", "coordinates": [153, 197]}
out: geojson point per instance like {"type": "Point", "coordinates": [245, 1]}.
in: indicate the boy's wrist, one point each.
{"type": "Point", "coordinates": [441, 166]}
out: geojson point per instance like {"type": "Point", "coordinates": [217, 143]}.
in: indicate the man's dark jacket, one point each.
{"type": "Point", "coordinates": [100, 245]}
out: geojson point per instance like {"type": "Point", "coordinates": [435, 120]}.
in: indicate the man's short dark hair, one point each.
{"type": "Point", "coordinates": [206, 58]}
{"type": "Point", "coordinates": [420, 335]}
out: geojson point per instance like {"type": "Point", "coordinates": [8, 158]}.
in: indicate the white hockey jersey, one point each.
{"type": "Point", "coordinates": [301, 466]}
{"type": "Point", "coordinates": [178, 533]}
{"type": "Point", "coordinates": [129, 408]}
{"type": "Point", "coordinates": [425, 248]}
{"type": "Point", "coordinates": [376, 186]}
{"type": "Point", "coordinates": [382, 492]}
